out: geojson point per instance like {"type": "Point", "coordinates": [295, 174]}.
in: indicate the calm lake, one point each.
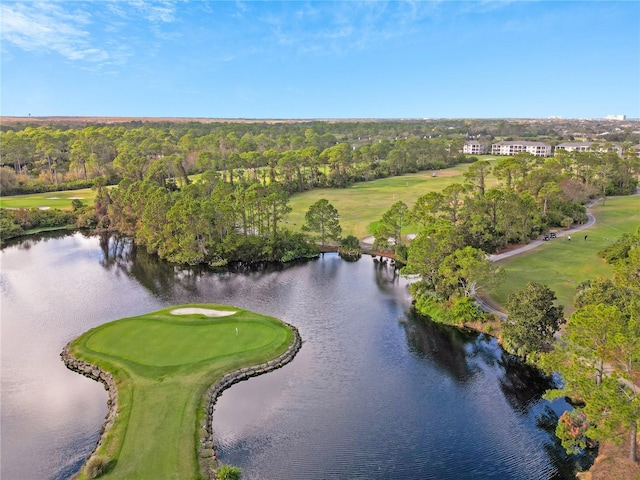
{"type": "Point", "coordinates": [375, 393]}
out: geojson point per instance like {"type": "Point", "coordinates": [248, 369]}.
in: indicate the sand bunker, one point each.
{"type": "Point", "coordinates": [209, 312]}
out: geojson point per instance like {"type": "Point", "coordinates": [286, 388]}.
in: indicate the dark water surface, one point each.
{"type": "Point", "coordinates": [375, 392]}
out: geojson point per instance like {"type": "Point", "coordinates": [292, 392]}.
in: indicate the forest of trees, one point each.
{"type": "Point", "coordinates": [458, 226]}
{"type": "Point", "coordinates": [598, 355]}
{"type": "Point", "coordinates": [300, 155]}
{"type": "Point", "coordinates": [235, 211]}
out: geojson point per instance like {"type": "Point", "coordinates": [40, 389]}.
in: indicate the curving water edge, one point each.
{"type": "Point", "coordinates": [207, 450]}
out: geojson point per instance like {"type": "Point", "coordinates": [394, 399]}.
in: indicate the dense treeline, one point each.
{"type": "Point", "coordinates": [45, 158]}
{"type": "Point", "coordinates": [599, 355]}
{"type": "Point", "coordinates": [235, 210]}
{"type": "Point", "coordinates": [210, 221]}
{"type": "Point", "coordinates": [458, 226]}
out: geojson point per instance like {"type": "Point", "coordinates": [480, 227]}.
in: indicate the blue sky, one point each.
{"type": "Point", "coordinates": [259, 59]}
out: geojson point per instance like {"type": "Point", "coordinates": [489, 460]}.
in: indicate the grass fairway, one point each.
{"type": "Point", "coordinates": [362, 204]}
{"type": "Point", "coordinates": [163, 363]}
{"type": "Point", "coordinates": [59, 200]}
{"type": "Point", "coordinates": [561, 264]}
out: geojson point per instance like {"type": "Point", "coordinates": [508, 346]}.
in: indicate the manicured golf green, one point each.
{"type": "Point", "coordinates": [163, 363]}
{"type": "Point", "coordinates": [60, 200]}
{"type": "Point", "coordinates": [562, 264]}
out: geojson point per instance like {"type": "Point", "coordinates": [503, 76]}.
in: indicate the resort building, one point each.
{"type": "Point", "coordinates": [575, 146]}
{"type": "Point", "coordinates": [474, 148]}
{"type": "Point", "coordinates": [539, 149]}
{"type": "Point", "coordinates": [586, 147]}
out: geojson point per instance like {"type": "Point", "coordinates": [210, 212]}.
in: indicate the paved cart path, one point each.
{"type": "Point", "coordinates": [486, 303]}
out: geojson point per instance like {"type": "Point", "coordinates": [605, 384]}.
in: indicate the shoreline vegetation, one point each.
{"type": "Point", "coordinates": [178, 369]}
{"type": "Point", "coordinates": [218, 194]}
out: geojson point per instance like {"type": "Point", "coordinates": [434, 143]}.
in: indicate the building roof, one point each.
{"type": "Point", "coordinates": [523, 142]}
{"type": "Point", "coordinates": [574, 144]}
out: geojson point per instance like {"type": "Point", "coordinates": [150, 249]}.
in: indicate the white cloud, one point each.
{"type": "Point", "coordinates": [338, 28]}
{"type": "Point", "coordinates": [47, 27]}
{"type": "Point", "coordinates": [73, 29]}
{"type": "Point", "coordinates": [163, 11]}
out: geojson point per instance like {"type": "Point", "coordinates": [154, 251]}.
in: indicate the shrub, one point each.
{"type": "Point", "coordinates": [76, 204]}
{"type": "Point", "coordinates": [229, 472]}
{"type": "Point", "coordinates": [350, 242]}
{"type": "Point", "coordinates": [349, 248]}
{"type": "Point", "coordinates": [97, 466]}
{"type": "Point", "coordinates": [466, 310]}
{"type": "Point", "coordinates": [9, 228]}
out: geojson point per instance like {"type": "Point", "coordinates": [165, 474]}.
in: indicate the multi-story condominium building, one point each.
{"type": "Point", "coordinates": [474, 148]}
{"type": "Point", "coordinates": [586, 147]}
{"type": "Point", "coordinates": [575, 146]}
{"type": "Point", "coordinates": [539, 149]}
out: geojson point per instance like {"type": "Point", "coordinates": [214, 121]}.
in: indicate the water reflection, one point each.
{"type": "Point", "coordinates": [464, 354]}
{"type": "Point", "coordinates": [376, 391]}
{"type": "Point", "coordinates": [521, 384]}
{"type": "Point", "coordinates": [440, 345]}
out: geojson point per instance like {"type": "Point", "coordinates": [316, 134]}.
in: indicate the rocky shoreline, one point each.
{"type": "Point", "coordinates": [207, 453]}
{"type": "Point", "coordinates": [95, 373]}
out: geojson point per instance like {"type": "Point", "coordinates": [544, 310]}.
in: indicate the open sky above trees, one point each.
{"type": "Point", "coordinates": [320, 59]}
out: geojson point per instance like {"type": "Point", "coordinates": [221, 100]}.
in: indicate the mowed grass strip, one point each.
{"type": "Point", "coordinates": [163, 364]}
{"type": "Point", "coordinates": [362, 204]}
{"type": "Point", "coordinates": [562, 264]}
{"type": "Point", "coordinates": [60, 200]}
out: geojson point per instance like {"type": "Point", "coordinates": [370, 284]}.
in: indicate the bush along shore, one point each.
{"type": "Point", "coordinates": [207, 452]}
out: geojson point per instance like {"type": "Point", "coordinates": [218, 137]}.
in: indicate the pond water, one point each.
{"type": "Point", "coordinates": [375, 392]}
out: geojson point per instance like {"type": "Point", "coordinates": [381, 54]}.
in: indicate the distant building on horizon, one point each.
{"type": "Point", "coordinates": [616, 117]}
{"type": "Point", "coordinates": [539, 149]}
{"type": "Point", "coordinates": [574, 146]}
{"type": "Point", "coordinates": [587, 147]}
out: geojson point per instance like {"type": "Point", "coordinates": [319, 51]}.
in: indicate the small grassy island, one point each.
{"type": "Point", "coordinates": [164, 371]}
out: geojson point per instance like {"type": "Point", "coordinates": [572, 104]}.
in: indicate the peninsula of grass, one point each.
{"type": "Point", "coordinates": [562, 264]}
{"type": "Point", "coordinates": [163, 364]}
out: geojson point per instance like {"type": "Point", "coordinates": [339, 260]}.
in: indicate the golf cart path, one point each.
{"type": "Point", "coordinates": [487, 304]}
{"type": "Point", "coordinates": [591, 220]}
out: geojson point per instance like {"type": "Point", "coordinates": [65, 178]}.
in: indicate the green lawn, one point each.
{"type": "Point", "coordinates": [362, 204]}
{"type": "Point", "coordinates": [561, 264]}
{"type": "Point", "coordinates": [163, 364]}
{"type": "Point", "coordinates": [60, 200]}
